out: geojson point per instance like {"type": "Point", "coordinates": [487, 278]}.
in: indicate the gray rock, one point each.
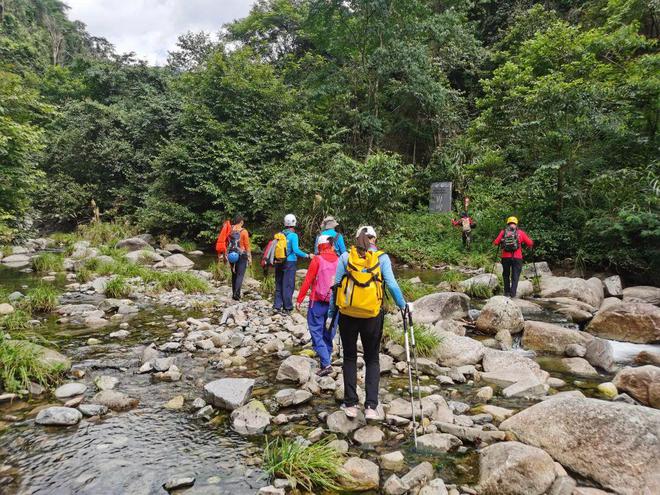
{"type": "Point", "coordinates": [393, 461]}
{"type": "Point", "coordinates": [292, 397]}
{"type": "Point", "coordinates": [641, 293]}
{"type": "Point", "coordinates": [363, 474]}
{"type": "Point", "coordinates": [105, 382]}
{"type": "Point", "coordinates": [418, 475]}
{"type": "Point", "coordinates": [642, 383]}
{"type": "Point", "coordinates": [615, 444]}
{"type": "Point", "coordinates": [455, 350]}
{"type": "Point", "coordinates": [394, 486]}
{"type": "Point", "coordinates": [297, 369]}
{"type": "Point", "coordinates": [483, 279]}
{"type": "Point", "coordinates": [250, 419]}
{"type": "Point", "coordinates": [434, 487]}
{"type": "Point", "coordinates": [58, 416]}
{"type": "Point", "coordinates": [628, 322]}
{"type": "Point", "coordinates": [613, 286]}
{"type": "Point", "coordinates": [93, 409]}
{"type": "Point", "coordinates": [176, 483]}
{"type": "Point", "coordinates": [500, 313]}
{"type": "Point", "coordinates": [134, 244]}
{"type": "Point", "coordinates": [369, 436]}
{"type": "Point", "coordinates": [228, 393]}
{"type": "Point", "coordinates": [438, 443]}
{"type": "Point", "coordinates": [513, 468]}
{"type": "Point", "coordinates": [16, 260]}
{"type": "Point", "coordinates": [339, 423]}
{"type": "Point", "coordinates": [117, 401]}
{"type": "Point", "coordinates": [163, 364]}
{"type": "Point", "coordinates": [441, 306]}
{"type": "Point", "coordinates": [176, 262]}
{"type": "Point", "coordinates": [573, 288]}
{"type": "Point", "coordinates": [70, 390]}
{"type": "Point", "coordinates": [173, 248]}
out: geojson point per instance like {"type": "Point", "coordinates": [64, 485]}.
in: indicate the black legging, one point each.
{"type": "Point", "coordinates": [511, 268]}
{"type": "Point", "coordinates": [237, 275]}
{"type": "Point", "coordinates": [370, 331]}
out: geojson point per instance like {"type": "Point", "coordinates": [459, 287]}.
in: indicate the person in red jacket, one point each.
{"type": "Point", "coordinates": [511, 240]}
{"type": "Point", "coordinates": [320, 277]}
{"type": "Point", "coordinates": [467, 224]}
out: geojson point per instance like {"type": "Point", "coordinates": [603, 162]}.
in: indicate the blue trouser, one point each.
{"type": "Point", "coordinates": [321, 339]}
{"type": "Point", "coordinates": [285, 284]}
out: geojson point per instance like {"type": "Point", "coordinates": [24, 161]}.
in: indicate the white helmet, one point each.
{"type": "Point", "coordinates": [290, 220]}
{"type": "Point", "coordinates": [369, 230]}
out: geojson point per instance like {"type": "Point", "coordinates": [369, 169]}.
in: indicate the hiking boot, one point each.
{"type": "Point", "coordinates": [350, 411]}
{"type": "Point", "coordinates": [371, 414]}
{"type": "Point", "coordinates": [324, 371]}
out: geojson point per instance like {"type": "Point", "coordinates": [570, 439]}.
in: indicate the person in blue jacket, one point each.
{"type": "Point", "coordinates": [370, 331]}
{"type": "Point", "coordinates": [285, 273]}
{"type": "Point", "coordinates": [329, 227]}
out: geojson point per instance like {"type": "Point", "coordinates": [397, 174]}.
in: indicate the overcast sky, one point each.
{"type": "Point", "coordinates": [150, 27]}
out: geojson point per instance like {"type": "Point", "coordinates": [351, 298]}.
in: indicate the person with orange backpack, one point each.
{"type": "Point", "coordinates": [511, 240]}
{"type": "Point", "coordinates": [320, 277]}
{"type": "Point", "coordinates": [363, 275]}
{"type": "Point", "coordinates": [233, 245]}
{"type": "Point", "coordinates": [466, 223]}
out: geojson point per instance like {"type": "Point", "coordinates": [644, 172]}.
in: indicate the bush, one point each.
{"type": "Point", "coordinates": [426, 341]}
{"type": "Point", "coordinates": [412, 292]}
{"type": "Point", "coordinates": [84, 274]}
{"type": "Point", "coordinates": [186, 282]}
{"type": "Point", "coordinates": [109, 233]}
{"type": "Point", "coordinates": [479, 291]}
{"type": "Point", "coordinates": [117, 287]}
{"type": "Point", "coordinates": [42, 298]}
{"type": "Point", "coordinates": [16, 321]}
{"type": "Point", "coordinates": [20, 365]}
{"type": "Point", "coordinates": [220, 271]}
{"type": "Point", "coordinates": [48, 262]}
{"type": "Point", "coordinates": [316, 467]}
{"type": "Point", "coordinates": [267, 288]}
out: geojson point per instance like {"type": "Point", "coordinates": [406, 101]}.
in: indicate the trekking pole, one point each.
{"type": "Point", "coordinates": [414, 355]}
{"type": "Point", "coordinates": [410, 380]}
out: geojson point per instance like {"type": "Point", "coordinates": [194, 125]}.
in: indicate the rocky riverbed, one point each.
{"type": "Point", "coordinates": [175, 392]}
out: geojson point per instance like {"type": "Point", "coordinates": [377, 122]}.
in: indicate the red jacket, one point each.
{"type": "Point", "coordinates": [328, 253]}
{"type": "Point", "coordinates": [523, 240]}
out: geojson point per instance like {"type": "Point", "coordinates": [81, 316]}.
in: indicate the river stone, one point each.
{"type": "Point", "coordinates": [511, 361]}
{"type": "Point", "coordinates": [143, 256]}
{"type": "Point", "coordinates": [362, 474]}
{"type": "Point", "coordinates": [526, 387]}
{"type": "Point", "coordinates": [500, 313]}
{"type": "Point", "coordinates": [483, 279]}
{"type": "Point", "coordinates": [228, 393]}
{"type": "Point", "coordinates": [642, 383]}
{"type": "Point", "coordinates": [16, 260]}
{"type": "Point", "coordinates": [176, 262]}
{"type": "Point", "coordinates": [393, 461]}
{"type": "Point", "coordinates": [105, 382]}
{"type": "Point", "coordinates": [613, 286]}
{"type": "Point", "coordinates": [394, 486]}
{"type": "Point", "coordinates": [455, 350]}
{"type": "Point", "coordinates": [338, 422]}
{"type": "Point", "coordinates": [628, 322]}
{"type": "Point", "coordinates": [177, 483]}
{"type": "Point", "coordinates": [46, 357]}
{"type": "Point", "coordinates": [578, 366]}
{"type": "Point", "coordinates": [6, 309]}
{"type": "Point", "coordinates": [369, 436]}
{"type": "Point", "coordinates": [642, 293]}
{"type": "Point", "coordinates": [551, 338]}
{"type": "Point", "coordinates": [93, 409]}
{"type": "Point", "coordinates": [542, 268]}
{"type": "Point", "coordinates": [434, 487]}
{"type": "Point", "coordinates": [292, 397]}
{"type": "Point", "coordinates": [175, 403]}
{"type": "Point", "coordinates": [499, 414]}
{"type": "Point", "coordinates": [451, 326]}
{"type": "Point", "coordinates": [117, 401]}
{"type": "Point", "coordinates": [573, 288]}
{"type": "Point", "coordinates": [250, 419]}
{"type": "Point", "coordinates": [612, 443]}
{"type": "Point", "coordinates": [297, 369]}
{"type": "Point", "coordinates": [418, 475]}
{"type": "Point", "coordinates": [70, 390]}
{"type": "Point", "coordinates": [513, 468]}
{"type": "Point", "coordinates": [438, 443]}
{"type": "Point", "coordinates": [441, 306]}
{"type": "Point", "coordinates": [58, 416]}
{"type": "Point", "coordinates": [134, 244]}
{"type": "Point", "coordinates": [174, 248]}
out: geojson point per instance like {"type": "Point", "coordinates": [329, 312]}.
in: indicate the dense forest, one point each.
{"type": "Point", "coordinates": [544, 109]}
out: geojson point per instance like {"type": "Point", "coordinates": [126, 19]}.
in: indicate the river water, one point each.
{"type": "Point", "coordinates": [135, 452]}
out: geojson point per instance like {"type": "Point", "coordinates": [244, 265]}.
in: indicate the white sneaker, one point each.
{"type": "Point", "coordinates": [371, 414]}
{"type": "Point", "coordinates": [351, 412]}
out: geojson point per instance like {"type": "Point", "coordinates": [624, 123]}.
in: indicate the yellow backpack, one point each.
{"type": "Point", "coordinates": [280, 247]}
{"type": "Point", "coordinates": [360, 293]}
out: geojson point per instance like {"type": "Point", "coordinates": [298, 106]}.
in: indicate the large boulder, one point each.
{"type": "Point", "coordinates": [455, 350]}
{"type": "Point", "coordinates": [613, 286]}
{"type": "Point", "coordinates": [228, 393]}
{"type": "Point", "coordinates": [250, 419]}
{"type": "Point", "coordinates": [46, 357]}
{"type": "Point", "coordinates": [643, 383]}
{"type": "Point", "coordinates": [58, 416]}
{"type": "Point", "coordinates": [513, 468]}
{"type": "Point", "coordinates": [612, 443]}
{"type": "Point", "coordinates": [500, 313]}
{"type": "Point", "coordinates": [362, 475]}
{"type": "Point", "coordinates": [176, 262]}
{"type": "Point", "coordinates": [298, 369]}
{"type": "Point", "coordinates": [554, 339]}
{"type": "Point", "coordinates": [628, 322]}
{"type": "Point", "coordinates": [134, 244]}
{"type": "Point", "coordinates": [483, 279]}
{"type": "Point", "coordinates": [143, 256]}
{"type": "Point", "coordinates": [642, 293]}
{"type": "Point", "coordinates": [513, 363]}
{"type": "Point", "coordinates": [441, 306]}
{"type": "Point", "coordinates": [540, 268]}
{"type": "Point", "coordinates": [573, 288]}
{"type": "Point", "coordinates": [16, 260]}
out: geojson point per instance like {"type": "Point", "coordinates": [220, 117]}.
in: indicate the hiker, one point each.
{"type": "Point", "coordinates": [285, 271]}
{"type": "Point", "coordinates": [467, 224]}
{"type": "Point", "coordinates": [329, 228]}
{"type": "Point", "coordinates": [320, 277]}
{"type": "Point", "coordinates": [511, 240]}
{"type": "Point", "coordinates": [233, 245]}
{"type": "Point", "coordinates": [361, 274]}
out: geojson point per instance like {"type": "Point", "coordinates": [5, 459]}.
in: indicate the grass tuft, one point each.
{"type": "Point", "coordinates": [117, 288]}
{"type": "Point", "coordinates": [185, 282]}
{"type": "Point", "coordinates": [479, 291]}
{"type": "Point", "coordinates": [21, 364]}
{"type": "Point", "coordinates": [16, 321]}
{"type": "Point", "coordinates": [313, 467]}
{"type": "Point", "coordinates": [109, 233]}
{"type": "Point", "coordinates": [412, 292]}
{"type": "Point", "coordinates": [220, 271]}
{"type": "Point", "coordinates": [48, 262]}
{"type": "Point", "coordinates": [267, 287]}
{"type": "Point", "coordinates": [42, 298]}
{"type": "Point", "coordinates": [427, 341]}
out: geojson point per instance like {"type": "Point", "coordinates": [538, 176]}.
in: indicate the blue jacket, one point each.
{"type": "Point", "coordinates": [388, 278]}
{"type": "Point", "coordinates": [340, 246]}
{"type": "Point", "coordinates": [292, 246]}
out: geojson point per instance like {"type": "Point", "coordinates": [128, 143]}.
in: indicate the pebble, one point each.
{"type": "Point", "coordinates": [177, 483]}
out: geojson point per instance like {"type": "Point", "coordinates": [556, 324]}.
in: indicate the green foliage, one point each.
{"type": "Point", "coordinates": [412, 292]}
{"type": "Point", "coordinates": [16, 321]}
{"type": "Point", "coordinates": [117, 287]}
{"type": "Point", "coordinates": [84, 274]}
{"type": "Point", "coordinates": [479, 291]}
{"type": "Point", "coordinates": [48, 262]}
{"type": "Point", "coordinates": [108, 233]}
{"type": "Point", "coordinates": [188, 283]}
{"type": "Point", "coordinates": [42, 298]}
{"type": "Point", "coordinates": [20, 365]}
{"type": "Point", "coordinates": [314, 467]}
{"type": "Point", "coordinates": [426, 341]}
{"type": "Point", "coordinates": [220, 271]}
{"type": "Point", "coordinates": [267, 287]}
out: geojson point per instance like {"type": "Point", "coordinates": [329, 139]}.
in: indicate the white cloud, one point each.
{"type": "Point", "coordinates": [150, 27]}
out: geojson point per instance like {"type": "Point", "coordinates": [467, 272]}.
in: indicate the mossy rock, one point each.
{"type": "Point", "coordinates": [47, 357]}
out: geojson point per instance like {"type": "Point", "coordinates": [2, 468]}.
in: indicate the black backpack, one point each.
{"type": "Point", "coordinates": [510, 241]}
{"type": "Point", "coordinates": [234, 242]}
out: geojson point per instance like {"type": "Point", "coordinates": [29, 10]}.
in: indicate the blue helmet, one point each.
{"type": "Point", "coordinates": [233, 257]}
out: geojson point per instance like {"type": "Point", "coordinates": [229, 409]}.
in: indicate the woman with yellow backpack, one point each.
{"type": "Point", "coordinates": [362, 276]}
